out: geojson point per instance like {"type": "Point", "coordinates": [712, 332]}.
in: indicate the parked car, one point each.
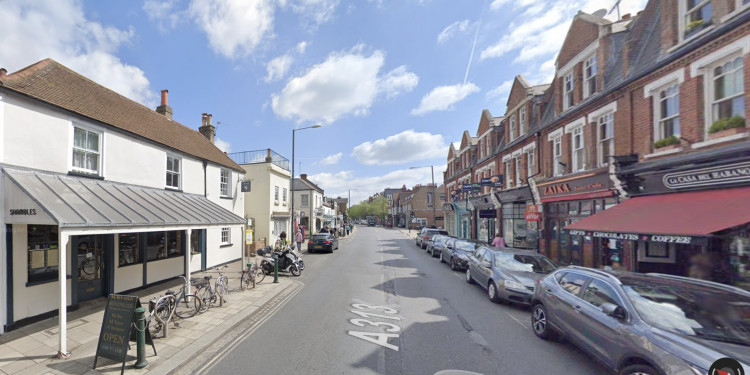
{"type": "Point", "coordinates": [508, 274]}
{"type": "Point", "coordinates": [322, 241]}
{"type": "Point", "coordinates": [435, 244]}
{"type": "Point", "coordinates": [456, 252]}
{"type": "Point", "coordinates": [645, 323]}
{"type": "Point", "coordinates": [425, 234]}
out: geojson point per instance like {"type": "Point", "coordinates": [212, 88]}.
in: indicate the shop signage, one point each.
{"type": "Point", "coordinates": [117, 331]}
{"type": "Point", "coordinates": [587, 184]}
{"type": "Point", "coordinates": [470, 187]}
{"type": "Point", "coordinates": [245, 186]}
{"type": "Point", "coordinates": [728, 174]}
{"type": "Point", "coordinates": [532, 213]}
{"type": "Point", "coordinates": [487, 214]}
{"type": "Point", "coordinates": [686, 240]}
{"type": "Point", "coordinates": [22, 211]}
{"type": "Point", "coordinates": [495, 181]}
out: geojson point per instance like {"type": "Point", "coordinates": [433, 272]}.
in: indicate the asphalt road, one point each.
{"type": "Point", "coordinates": [380, 305]}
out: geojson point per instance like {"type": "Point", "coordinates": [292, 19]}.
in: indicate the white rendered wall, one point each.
{"type": "Point", "coordinates": [164, 269]}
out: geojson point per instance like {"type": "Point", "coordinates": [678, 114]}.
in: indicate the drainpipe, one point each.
{"type": "Point", "coordinates": [205, 180]}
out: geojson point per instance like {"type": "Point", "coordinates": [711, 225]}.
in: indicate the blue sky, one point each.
{"type": "Point", "coordinates": [393, 82]}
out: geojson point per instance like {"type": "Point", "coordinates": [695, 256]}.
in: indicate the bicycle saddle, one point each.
{"type": "Point", "coordinates": [170, 292]}
{"type": "Point", "coordinates": [208, 277]}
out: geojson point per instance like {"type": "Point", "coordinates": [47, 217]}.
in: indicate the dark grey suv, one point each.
{"type": "Point", "coordinates": [649, 324]}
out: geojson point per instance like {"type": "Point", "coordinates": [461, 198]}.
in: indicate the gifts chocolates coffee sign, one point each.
{"type": "Point", "coordinates": [728, 174]}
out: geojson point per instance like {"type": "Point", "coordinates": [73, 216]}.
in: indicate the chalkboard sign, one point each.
{"type": "Point", "coordinates": [115, 334]}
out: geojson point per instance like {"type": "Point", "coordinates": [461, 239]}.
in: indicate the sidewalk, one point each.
{"type": "Point", "coordinates": [32, 349]}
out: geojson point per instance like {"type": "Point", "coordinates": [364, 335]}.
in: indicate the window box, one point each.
{"type": "Point", "coordinates": [665, 144]}
{"type": "Point", "coordinates": [694, 27]}
{"type": "Point", "coordinates": [727, 127]}
{"type": "Point", "coordinates": [726, 133]}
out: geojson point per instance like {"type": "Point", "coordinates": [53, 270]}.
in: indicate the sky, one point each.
{"type": "Point", "coordinates": [392, 82]}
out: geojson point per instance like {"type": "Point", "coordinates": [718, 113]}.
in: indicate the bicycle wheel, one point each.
{"type": "Point", "coordinates": [88, 267]}
{"type": "Point", "coordinates": [245, 280]}
{"type": "Point", "coordinates": [259, 275]}
{"type": "Point", "coordinates": [204, 295]}
{"type": "Point", "coordinates": [222, 289]}
{"type": "Point", "coordinates": [163, 310]}
{"type": "Point", "coordinates": [154, 327]}
{"type": "Point", "coordinates": [187, 306]}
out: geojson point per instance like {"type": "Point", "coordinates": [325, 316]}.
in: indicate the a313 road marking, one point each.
{"type": "Point", "coordinates": [380, 316]}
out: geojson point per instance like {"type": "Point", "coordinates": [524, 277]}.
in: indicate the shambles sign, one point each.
{"type": "Point", "coordinates": [728, 174]}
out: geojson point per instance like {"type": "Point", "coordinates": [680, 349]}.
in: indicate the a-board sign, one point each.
{"type": "Point", "coordinates": [115, 333]}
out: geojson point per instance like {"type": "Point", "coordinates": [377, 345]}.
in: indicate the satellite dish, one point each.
{"type": "Point", "coordinates": [600, 13]}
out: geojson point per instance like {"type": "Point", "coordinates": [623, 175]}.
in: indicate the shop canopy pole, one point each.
{"type": "Point", "coordinates": [62, 271]}
{"type": "Point", "coordinates": [187, 259]}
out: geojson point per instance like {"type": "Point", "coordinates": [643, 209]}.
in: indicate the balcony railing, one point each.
{"type": "Point", "coordinates": [260, 156]}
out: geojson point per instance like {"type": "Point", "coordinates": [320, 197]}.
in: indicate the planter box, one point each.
{"type": "Point", "coordinates": [667, 148]}
{"type": "Point", "coordinates": [726, 133]}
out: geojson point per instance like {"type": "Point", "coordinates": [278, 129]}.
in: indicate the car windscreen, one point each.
{"type": "Point", "coordinates": [465, 246]}
{"type": "Point", "coordinates": [440, 239]}
{"type": "Point", "coordinates": [690, 309]}
{"type": "Point", "coordinates": [524, 263]}
{"type": "Point", "coordinates": [320, 237]}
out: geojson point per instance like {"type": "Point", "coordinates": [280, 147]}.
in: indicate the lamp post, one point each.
{"type": "Point", "coordinates": [291, 188]}
{"type": "Point", "coordinates": [434, 199]}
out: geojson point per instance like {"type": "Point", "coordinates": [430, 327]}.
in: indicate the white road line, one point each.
{"type": "Point", "coordinates": [522, 324]}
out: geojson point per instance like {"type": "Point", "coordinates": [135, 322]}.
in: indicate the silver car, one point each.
{"type": "Point", "coordinates": [507, 274]}
{"type": "Point", "coordinates": [645, 324]}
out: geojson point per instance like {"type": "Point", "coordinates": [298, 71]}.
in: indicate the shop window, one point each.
{"type": "Point", "coordinates": [197, 241]}
{"type": "Point", "coordinates": [163, 245]}
{"type": "Point", "coordinates": [554, 228]}
{"type": "Point", "coordinates": [86, 151]}
{"type": "Point", "coordinates": [565, 257]}
{"type": "Point", "coordinates": [43, 252]}
{"type": "Point", "coordinates": [173, 172]}
{"type": "Point", "coordinates": [586, 208]}
{"type": "Point", "coordinates": [573, 208]}
{"type": "Point", "coordinates": [226, 183]}
{"type": "Point", "coordinates": [656, 252]}
{"type": "Point", "coordinates": [129, 249]}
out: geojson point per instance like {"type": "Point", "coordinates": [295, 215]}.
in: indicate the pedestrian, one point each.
{"type": "Point", "coordinates": [282, 237]}
{"type": "Point", "coordinates": [348, 229]}
{"type": "Point", "coordinates": [299, 238]}
{"type": "Point", "coordinates": [324, 230]}
{"type": "Point", "coordinates": [498, 241]}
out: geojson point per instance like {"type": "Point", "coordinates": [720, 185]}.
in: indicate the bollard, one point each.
{"type": "Point", "coordinates": [275, 269]}
{"type": "Point", "coordinates": [140, 337]}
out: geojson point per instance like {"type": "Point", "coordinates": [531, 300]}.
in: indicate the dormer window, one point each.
{"type": "Point", "coordinates": [568, 86]}
{"type": "Point", "coordinates": [589, 77]}
{"type": "Point", "coordinates": [512, 127]}
{"type": "Point", "coordinates": [698, 14]}
{"type": "Point", "coordinates": [522, 121]}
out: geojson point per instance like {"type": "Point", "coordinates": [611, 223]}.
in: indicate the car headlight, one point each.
{"type": "Point", "coordinates": [513, 285]}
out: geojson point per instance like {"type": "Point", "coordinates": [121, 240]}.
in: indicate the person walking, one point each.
{"type": "Point", "coordinates": [498, 241]}
{"type": "Point", "coordinates": [298, 238]}
{"type": "Point", "coordinates": [282, 237]}
{"type": "Point", "coordinates": [348, 229]}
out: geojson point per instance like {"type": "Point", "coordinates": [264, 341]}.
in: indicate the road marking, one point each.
{"type": "Point", "coordinates": [522, 324]}
{"type": "Point", "coordinates": [378, 338]}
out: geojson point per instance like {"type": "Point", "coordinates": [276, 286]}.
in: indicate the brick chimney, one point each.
{"type": "Point", "coordinates": [268, 156]}
{"type": "Point", "coordinates": [164, 108]}
{"type": "Point", "coordinates": [208, 130]}
{"type": "Point", "coordinates": [3, 72]}
{"type": "Point", "coordinates": [303, 176]}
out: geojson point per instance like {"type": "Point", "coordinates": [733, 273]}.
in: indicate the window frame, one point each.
{"type": "Point", "coordinates": [276, 194]}
{"type": "Point", "coordinates": [712, 78]}
{"type": "Point", "coordinates": [603, 160]}
{"type": "Point", "coordinates": [508, 175]}
{"type": "Point", "coordinates": [530, 162]}
{"type": "Point", "coordinates": [513, 127]}
{"type": "Point", "coordinates": [568, 90]}
{"type": "Point", "coordinates": [226, 236]}
{"type": "Point", "coordinates": [684, 14]}
{"type": "Point", "coordinates": [304, 200]}
{"type": "Point", "coordinates": [590, 64]}
{"type": "Point", "coordinates": [518, 164]}
{"type": "Point", "coordinates": [225, 183]}
{"type": "Point", "coordinates": [284, 195]}
{"type": "Point", "coordinates": [575, 158]}
{"type": "Point", "coordinates": [660, 118]}
{"type": "Point", "coordinates": [522, 120]}
{"type": "Point", "coordinates": [178, 173]}
{"type": "Point", "coordinates": [86, 151]}
{"type": "Point", "coordinates": [557, 156]}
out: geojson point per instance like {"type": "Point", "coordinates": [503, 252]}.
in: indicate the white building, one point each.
{"type": "Point", "coordinates": [116, 194]}
{"type": "Point", "coordinates": [267, 202]}
{"type": "Point", "coordinates": [308, 201]}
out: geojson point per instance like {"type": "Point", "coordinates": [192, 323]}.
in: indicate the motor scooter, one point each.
{"type": "Point", "coordinates": [287, 262]}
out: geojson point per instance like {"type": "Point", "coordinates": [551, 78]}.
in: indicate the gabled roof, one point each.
{"type": "Point", "coordinates": [451, 151]}
{"type": "Point", "coordinates": [51, 82]}
{"type": "Point", "coordinates": [485, 122]}
{"type": "Point", "coordinates": [583, 31]}
{"type": "Point", "coordinates": [300, 184]}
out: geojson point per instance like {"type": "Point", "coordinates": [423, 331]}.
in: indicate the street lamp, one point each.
{"type": "Point", "coordinates": [434, 199]}
{"type": "Point", "coordinates": [292, 180]}
{"type": "Point", "coordinates": [350, 201]}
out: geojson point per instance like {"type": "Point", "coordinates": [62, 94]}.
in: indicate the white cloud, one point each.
{"type": "Point", "coordinates": [222, 145]}
{"type": "Point", "coordinates": [163, 12]}
{"type": "Point", "coordinates": [453, 29]}
{"type": "Point", "coordinates": [346, 83]}
{"type": "Point", "coordinates": [301, 47]}
{"type": "Point", "coordinates": [312, 13]}
{"type": "Point", "coordinates": [331, 159]}
{"type": "Point", "coordinates": [442, 98]}
{"type": "Point", "coordinates": [499, 91]}
{"type": "Point", "coordinates": [59, 29]}
{"type": "Point", "coordinates": [235, 28]}
{"type": "Point", "coordinates": [401, 148]}
{"type": "Point", "coordinates": [278, 67]}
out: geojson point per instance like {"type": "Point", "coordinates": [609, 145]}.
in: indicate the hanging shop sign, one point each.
{"type": "Point", "coordinates": [723, 175]}
{"type": "Point", "coordinates": [495, 181]}
{"type": "Point", "coordinates": [532, 213]}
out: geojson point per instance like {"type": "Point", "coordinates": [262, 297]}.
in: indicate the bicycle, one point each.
{"type": "Point", "coordinates": [207, 294]}
{"type": "Point", "coordinates": [252, 274]}
{"type": "Point", "coordinates": [222, 285]}
{"type": "Point", "coordinates": [160, 314]}
{"type": "Point", "coordinates": [186, 305]}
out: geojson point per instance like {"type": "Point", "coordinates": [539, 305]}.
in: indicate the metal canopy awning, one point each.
{"type": "Point", "coordinates": [73, 202]}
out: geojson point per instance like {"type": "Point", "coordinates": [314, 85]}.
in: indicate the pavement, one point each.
{"type": "Point", "coordinates": [32, 349]}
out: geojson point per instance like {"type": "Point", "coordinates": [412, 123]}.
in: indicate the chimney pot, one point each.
{"type": "Point", "coordinates": [164, 108]}
{"type": "Point", "coordinates": [626, 16]}
{"type": "Point", "coordinates": [208, 130]}
{"type": "Point", "coordinates": [164, 100]}
{"type": "Point", "coordinates": [3, 72]}
{"type": "Point", "coordinates": [208, 119]}
{"type": "Point", "coordinates": [303, 176]}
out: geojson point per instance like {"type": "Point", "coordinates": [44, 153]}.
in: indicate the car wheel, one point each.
{"type": "Point", "coordinates": [540, 322]}
{"type": "Point", "coordinates": [492, 292]}
{"type": "Point", "coordinates": [441, 257]}
{"type": "Point", "coordinates": [638, 370]}
{"type": "Point", "coordinates": [468, 277]}
{"type": "Point", "coordinates": [452, 263]}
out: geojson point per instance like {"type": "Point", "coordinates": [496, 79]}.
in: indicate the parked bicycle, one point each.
{"type": "Point", "coordinates": [186, 305]}
{"type": "Point", "coordinates": [251, 276]}
{"type": "Point", "coordinates": [160, 314]}
{"type": "Point", "coordinates": [208, 295]}
{"type": "Point", "coordinates": [222, 284]}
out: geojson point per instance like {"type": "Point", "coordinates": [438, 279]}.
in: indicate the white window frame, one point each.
{"type": "Point", "coordinates": [522, 121]}
{"type": "Point", "coordinates": [711, 78]}
{"type": "Point", "coordinates": [590, 64]}
{"type": "Point", "coordinates": [225, 183]}
{"type": "Point", "coordinates": [606, 120]}
{"type": "Point", "coordinates": [577, 154]}
{"type": "Point", "coordinates": [654, 90]}
{"type": "Point", "coordinates": [177, 172]}
{"type": "Point", "coordinates": [87, 151]}
{"type": "Point", "coordinates": [683, 15]}
{"type": "Point", "coordinates": [284, 196]}
{"type": "Point", "coordinates": [556, 139]}
{"type": "Point", "coordinates": [508, 174]}
{"type": "Point", "coordinates": [276, 194]}
{"type": "Point", "coordinates": [530, 162]}
{"type": "Point", "coordinates": [226, 235]}
{"type": "Point", "coordinates": [304, 200]}
{"type": "Point", "coordinates": [512, 127]}
{"type": "Point", "coordinates": [568, 90]}
{"type": "Point", "coordinates": [519, 168]}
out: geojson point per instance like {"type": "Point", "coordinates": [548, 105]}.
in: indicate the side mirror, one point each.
{"type": "Point", "coordinates": [613, 310]}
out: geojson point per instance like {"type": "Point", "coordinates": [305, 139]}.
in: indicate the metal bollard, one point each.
{"type": "Point", "coordinates": [275, 269]}
{"type": "Point", "coordinates": [140, 337]}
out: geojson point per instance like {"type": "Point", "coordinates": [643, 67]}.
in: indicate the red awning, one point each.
{"type": "Point", "coordinates": [687, 214]}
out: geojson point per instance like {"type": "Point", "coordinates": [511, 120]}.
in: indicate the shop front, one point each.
{"type": "Point", "coordinates": [516, 231]}
{"type": "Point", "coordinates": [565, 202]}
{"type": "Point", "coordinates": [485, 217]}
{"type": "Point", "coordinates": [689, 219]}
{"type": "Point", "coordinates": [450, 218]}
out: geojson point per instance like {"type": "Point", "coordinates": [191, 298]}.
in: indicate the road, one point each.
{"type": "Point", "coordinates": [380, 305]}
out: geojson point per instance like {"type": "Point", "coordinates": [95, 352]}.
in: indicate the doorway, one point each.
{"type": "Point", "coordinates": [89, 266]}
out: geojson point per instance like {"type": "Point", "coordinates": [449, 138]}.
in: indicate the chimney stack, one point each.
{"type": "Point", "coordinates": [303, 176]}
{"type": "Point", "coordinates": [626, 16]}
{"type": "Point", "coordinates": [3, 72]}
{"type": "Point", "coordinates": [268, 156]}
{"type": "Point", "coordinates": [208, 130]}
{"type": "Point", "coordinates": [164, 108]}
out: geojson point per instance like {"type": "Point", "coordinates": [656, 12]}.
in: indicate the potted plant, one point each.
{"type": "Point", "coordinates": [726, 126]}
{"type": "Point", "coordinates": [668, 143]}
{"type": "Point", "coordinates": [693, 27]}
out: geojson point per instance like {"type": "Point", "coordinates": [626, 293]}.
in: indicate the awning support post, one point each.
{"type": "Point", "coordinates": [188, 255]}
{"type": "Point", "coordinates": [62, 272]}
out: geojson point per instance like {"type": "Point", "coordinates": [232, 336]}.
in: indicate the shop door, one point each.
{"type": "Point", "coordinates": [89, 266]}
